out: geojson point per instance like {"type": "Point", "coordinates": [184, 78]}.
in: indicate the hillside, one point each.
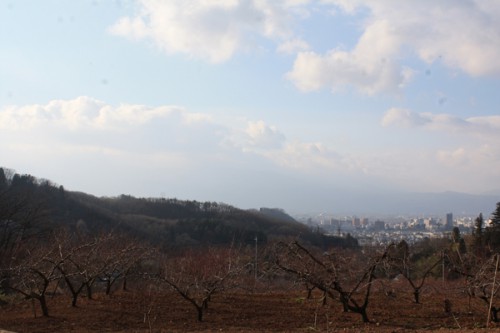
{"type": "Point", "coordinates": [169, 222]}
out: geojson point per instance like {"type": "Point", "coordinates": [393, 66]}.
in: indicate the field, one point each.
{"type": "Point", "coordinates": [391, 309]}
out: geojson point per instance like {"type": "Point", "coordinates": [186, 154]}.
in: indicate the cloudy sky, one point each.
{"type": "Point", "coordinates": [278, 103]}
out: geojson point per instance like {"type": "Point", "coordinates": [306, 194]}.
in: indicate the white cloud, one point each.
{"type": "Point", "coordinates": [90, 145]}
{"type": "Point", "coordinates": [309, 156]}
{"type": "Point", "coordinates": [486, 126]}
{"type": "Point", "coordinates": [453, 158]}
{"type": "Point", "coordinates": [92, 126]}
{"type": "Point", "coordinates": [71, 114]}
{"type": "Point", "coordinates": [479, 162]}
{"type": "Point", "coordinates": [293, 46]}
{"type": "Point", "coordinates": [253, 137]}
{"type": "Point", "coordinates": [262, 135]}
{"type": "Point", "coordinates": [462, 154]}
{"type": "Point", "coordinates": [370, 66]}
{"type": "Point", "coordinates": [317, 159]}
{"type": "Point", "coordinates": [403, 118]}
{"type": "Point", "coordinates": [210, 30]}
{"type": "Point", "coordinates": [146, 139]}
{"type": "Point", "coordinates": [88, 113]}
{"type": "Point", "coordinates": [463, 35]}
{"type": "Point", "coordinates": [132, 129]}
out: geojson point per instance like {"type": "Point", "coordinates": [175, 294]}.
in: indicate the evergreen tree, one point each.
{"type": "Point", "coordinates": [491, 234]}
{"type": "Point", "coordinates": [462, 248]}
{"type": "Point", "coordinates": [478, 234]}
{"type": "Point", "coordinates": [458, 242]}
{"type": "Point", "coordinates": [495, 217]}
{"type": "Point", "coordinates": [3, 180]}
{"type": "Point", "coordinates": [478, 227]}
{"type": "Point", "coordinates": [455, 235]}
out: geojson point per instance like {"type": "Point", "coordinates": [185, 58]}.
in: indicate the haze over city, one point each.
{"type": "Point", "coordinates": [298, 104]}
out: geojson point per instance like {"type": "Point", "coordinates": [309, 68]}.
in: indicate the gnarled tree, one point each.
{"type": "Point", "coordinates": [332, 273]}
{"type": "Point", "coordinates": [197, 275]}
{"type": "Point", "coordinates": [34, 271]}
{"type": "Point", "coordinates": [400, 260]}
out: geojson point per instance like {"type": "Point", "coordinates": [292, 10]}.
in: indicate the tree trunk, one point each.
{"type": "Point", "coordinates": [309, 291]}
{"type": "Point", "coordinates": [89, 290]}
{"type": "Point", "coordinates": [108, 287]}
{"type": "Point", "coordinates": [43, 305]}
{"type": "Point", "coordinates": [74, 293]}
{"type": "Point", "coordinates": [364, 315]}
{"type": "Point", "coordinates": [124, 285]}
{"type": "Point", "coordinates": [200, 313]}
{"type": "Point", "coordinates": [494, 314]}
{"type": "Point", "coordinates": [416, 295]}
{"type": "Point", "coordinates": [345, 303]}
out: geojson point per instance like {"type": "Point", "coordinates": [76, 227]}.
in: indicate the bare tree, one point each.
{"type": "Point", "coordinates": [118, 257]}
{"type": "Point", "coordinates": [33, 273]}
{"type": "Point", "coordinates": [399, 259]}
{"type": "Point", "coordinates": [198, 275]}
{"type": "Point", "coordinates": [481, 280]}
{"type": "Point", "coordinates": [22, 219]}
{"type": "Point", "coordinates": [485, 285]}
{"type": "Point", "coordinates": [77, 267]}
{"type": "Point", "coordinates": [107, 257]}
{"type": "Point", "coordinates": [333, 274]}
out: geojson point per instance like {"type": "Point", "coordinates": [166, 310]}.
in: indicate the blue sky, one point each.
{"type": "Point", "coordinates": [282, 103]}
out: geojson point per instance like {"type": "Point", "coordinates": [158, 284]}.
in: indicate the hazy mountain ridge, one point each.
{"type": "Point", "coordinates": [169, 222]}
{"type": "Point", "coordinates": [184, 222]}
{"type": "Point", "coordinates": [444, 202]}
{"type": "Point", "coordinates": [406, 203]}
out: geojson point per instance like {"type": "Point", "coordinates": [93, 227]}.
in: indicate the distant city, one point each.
{"type": "Point", "coordinates": [390, 229]}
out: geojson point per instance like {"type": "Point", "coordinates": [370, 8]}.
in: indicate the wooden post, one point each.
{"type": "Point", "coordinates": [492, 292]}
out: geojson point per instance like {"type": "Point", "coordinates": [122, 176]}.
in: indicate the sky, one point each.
{"type": "Point", "coordinates": [255, 103]}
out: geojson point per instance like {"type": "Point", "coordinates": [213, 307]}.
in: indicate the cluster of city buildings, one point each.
{"type": "Point", "coordinates": [390, 229]}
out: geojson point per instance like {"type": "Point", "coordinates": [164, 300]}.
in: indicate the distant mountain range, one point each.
{"type": "Point", "coordinates": [184, 222]}
{"type": "Point", "coordinates": [30, 203]}
{"type": "Point", "coordinates": [448, 202]}
{"type": "Point", "coordinates": [400, 203]}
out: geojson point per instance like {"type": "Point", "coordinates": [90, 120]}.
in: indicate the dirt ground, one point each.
{"type": "Point", "coordinates": [391, 309]}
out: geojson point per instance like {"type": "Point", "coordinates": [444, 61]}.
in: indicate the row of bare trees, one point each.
{"type": "Point", "coordinates": [75, 264]}
{"type": "Point", "coordinates": [35, 263]}
{"type": "Point", "coordinates": [79, 262]}
{"type": "Point", "coordinates": [348, 277]}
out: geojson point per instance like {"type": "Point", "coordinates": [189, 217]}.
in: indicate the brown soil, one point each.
{"type": "Point", "coordinates": [239, 311]}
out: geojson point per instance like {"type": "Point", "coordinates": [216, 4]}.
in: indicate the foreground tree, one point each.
{"type": "Point", "coordinates": [491, 234]}
{"type": "Point", "coordinates": [76, 269]}
{"type": "Point", "coordinates": [198, 275]}
{"type": "Point", "coordinates": [483, 282]}
{"type": "Point", "coordinates": [335, 275]}
{"type": "Point", "coordinates": [108, 257]}
{"type": "Point", "coordinates": [400, 261]}
{"type": "Point", "coordinates": [23, 217]}
{"type": "Point", "coordinates": [119, 255]}
{"type": "Point", "coordinates": [34, 272]}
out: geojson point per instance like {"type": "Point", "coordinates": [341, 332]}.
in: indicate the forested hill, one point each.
{"type": "Point", "coordinates": [36, 204]}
